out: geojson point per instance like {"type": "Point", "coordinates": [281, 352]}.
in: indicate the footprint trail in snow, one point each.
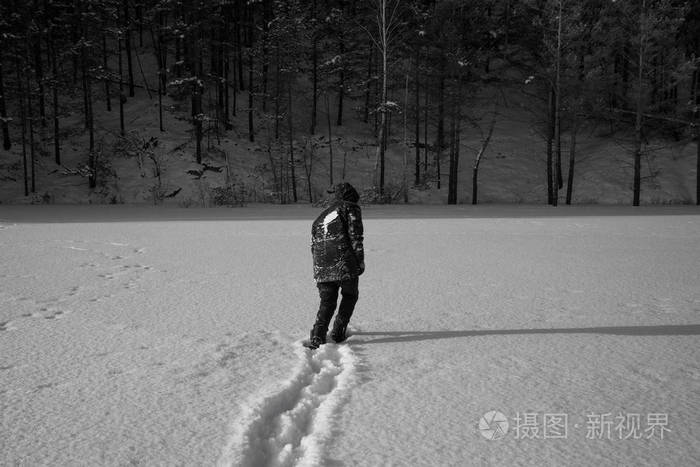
{"type": "Point", "coordinates": [293, 426]}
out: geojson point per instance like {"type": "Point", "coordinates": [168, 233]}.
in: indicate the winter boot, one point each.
{"type": "Point", "coordinates": [339, 332]}
{"type": "Point", "coordinates": [314, 343]}
{"type": "Point", "coordinates": [316, 339]}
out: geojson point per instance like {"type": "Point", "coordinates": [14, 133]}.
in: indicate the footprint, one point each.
{"type": "Point", "coordinates": [57, 314]}
{"type": "Point", "coordinates": [41, 387]}
{"type": "Point", "coordinates": [291, 426]}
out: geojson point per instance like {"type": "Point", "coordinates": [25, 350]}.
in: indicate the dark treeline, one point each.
{"type": "Point", "coordinates": [411, 70]}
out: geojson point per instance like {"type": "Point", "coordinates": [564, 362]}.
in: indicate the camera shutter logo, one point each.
{"type": "Point", "coordinates": [493, 425]}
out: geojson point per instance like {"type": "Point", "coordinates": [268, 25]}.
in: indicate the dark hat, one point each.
{"type": "Point", "coordinates": [344, 192]}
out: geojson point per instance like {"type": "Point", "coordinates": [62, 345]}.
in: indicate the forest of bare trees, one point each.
{"type": "Point", "coordinates": [413, 68]}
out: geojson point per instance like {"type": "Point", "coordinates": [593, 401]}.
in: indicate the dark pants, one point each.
{"type": "Point", "coordinates": [328, 291]}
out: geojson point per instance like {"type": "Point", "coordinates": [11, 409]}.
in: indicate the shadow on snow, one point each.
{"type": "Point", "coordinates": [409, 336]}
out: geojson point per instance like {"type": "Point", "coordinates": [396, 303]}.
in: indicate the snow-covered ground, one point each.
{"type": "Point", "coordinates": [171, 337]}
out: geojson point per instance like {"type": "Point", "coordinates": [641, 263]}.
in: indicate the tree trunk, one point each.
{"type": "Point", "coordinates": [376, 96]}
{"type": "Point", "coordinates": [637, 171]}
{"type": "Point", "coordinates": [127, 46]}
{"type": "Point", "coordinates": [383, 29]}
{"type": "Point", "coordinates": [234, 86]}
{"type": "Point", "coordinates": [368, 89]}
{"type": "Point", "coordinates": [139, 21]}
{"type": "Point", "coordinates": [6, 142]}
{"type": "Point", "coordinates": [405, 143]}
{"type": "Point", "coordinates": [625, 76]}
{"type": "Point", "coordinates": [143, 76]}
{"type": "Point", "coordinates": [291, 141]}
{"type": "Point", "coordinates": [278, 95]}
{"type": "Point", "coordinates": [163, 48]}
{"type": "Point", "coordinates": [382, 150]}
{"type": "Point", "coordinates": [106, 78]}
{"type": "Point", "coordinates": [197, 117]}
{"type": "Point", "coordinates": [454, 145]}
{"type": "Point", "coordinates": [251, 129]}
{"type": "Point", "coordinates": [572, 163]}
{"type": "Point", "coordinates": [216, 70]}
{"type": "Point", "coordinates": [549, 141]}
{"type": "Point", "coordinates": [23, 117]}
{"type": "Point", "coordinates": [441, 122]}
{"type": "Point", "coordinates": [697, 162]}
{"type": "Point", "coordinates": [160, 63]}
{"type": "Point", "coordinates": [458, 134]}
{"type": "Point", "coordinates": [345, 159]}
{"type": "Point", "coordinates": [83, 82]}
{"type": "Point", "coordinates": [314, 71]}
{"type": "Point", "coordinates": [341, 84]}
{"type": "Point", "coordinates": [54, 72]}
{"type": "Point", "coordinates": [267, 17]}
{"type": "Point", "coordinates": [239, 43]}
{"type": "Point", "coordinates": [330, 142]}
{"type": "Point", "coordinates": [478, 158]}
{"type": "Point", "coordinates": [122, 97]}
{"type": "Point", "coordinates": [640, 110]}
{"type": "Point", "coordinates": [308, 167]}
{"type": "Point", "coordinates": [30, 119]}
{"type": "Point", "coordinates": [178, 56]}
{"type": "Point", "coordinates": [227, 90]}
{"type": "Point", "coordinates": [560, 176]}
{"type": "Point", "coordinates": [426, 109]}
{"type": "Point", "coordinates": [226, 51]}
{"type": "Point", "coordinates": [451, 189]}
{"type": "Point", "coordinates": [697, 137]}
{"type": "Point", "coordinates": [39, 71]}
{"type": "Point", "coordinates": [160, 102]}
{"type": "Point", "coordinates": [557, 114]}
{"type": "Point", "coordinates": [417, 117]}
{"type": "Point", "coordinates": [74, 37]}
{"type": "Point", "coordinates": [92, 179]}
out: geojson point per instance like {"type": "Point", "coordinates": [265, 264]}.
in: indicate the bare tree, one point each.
{"type": "Point", "coordinates": [387, 22]}
{"type": "Point", "coordinates": [479, 157]}
{"type": "Point", "coordinates": [640, 104]}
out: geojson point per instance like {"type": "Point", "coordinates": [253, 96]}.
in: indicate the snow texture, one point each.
{"type": "Point", "coordinates": [134, 336]}
{"type": "Point", "coordinates": [293, 426]}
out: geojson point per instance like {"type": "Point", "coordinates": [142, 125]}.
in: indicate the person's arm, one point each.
{"type": "Point", "coordinates": [356, 234]}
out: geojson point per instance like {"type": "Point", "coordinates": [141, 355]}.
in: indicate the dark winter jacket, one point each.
{"type": "Point", "coordinates": [336, 238]}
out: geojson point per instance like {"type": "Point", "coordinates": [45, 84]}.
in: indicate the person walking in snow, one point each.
{"type": "Point", "coordinates": [338, 259]}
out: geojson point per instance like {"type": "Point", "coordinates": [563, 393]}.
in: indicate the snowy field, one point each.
{"type": "Point", "coordinates": [138, 336]}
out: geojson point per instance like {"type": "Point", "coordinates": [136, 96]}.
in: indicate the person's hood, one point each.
{"type": "Point", "coordinates": [345, 192]}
